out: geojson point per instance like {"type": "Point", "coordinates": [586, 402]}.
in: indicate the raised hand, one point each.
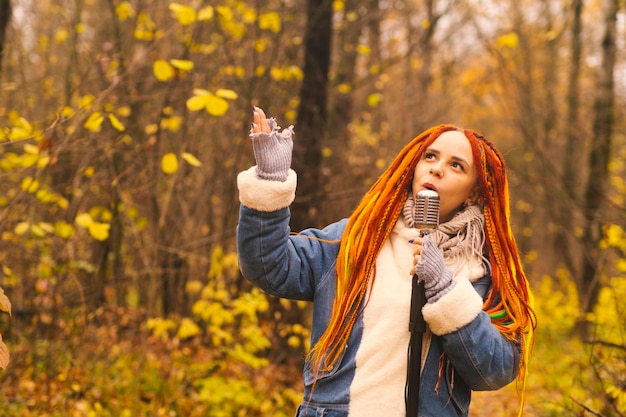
{"type": "Point", "coordinates": [272, 148]}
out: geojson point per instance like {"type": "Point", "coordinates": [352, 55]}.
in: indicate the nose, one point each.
{"type": "Point", "coordinates": [435, 170]}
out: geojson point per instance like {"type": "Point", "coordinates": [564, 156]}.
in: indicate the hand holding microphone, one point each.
{"type": "Point", "coordinates": [429, 263]}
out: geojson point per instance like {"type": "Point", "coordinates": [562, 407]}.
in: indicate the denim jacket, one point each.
{"type": "Point", "coordinates": [302, 267]}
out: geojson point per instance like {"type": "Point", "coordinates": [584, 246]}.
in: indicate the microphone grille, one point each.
{"type": "Point", "coordinates": [426, 211]}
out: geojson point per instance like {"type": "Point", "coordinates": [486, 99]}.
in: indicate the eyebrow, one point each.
{"type": "Point", "coordinates": [454, 158]}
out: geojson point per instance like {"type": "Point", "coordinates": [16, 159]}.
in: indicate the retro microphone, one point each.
{"type": "Point", "coordinates": [426, 216]}
{"type": "Point", "coordinates": [426, 211]}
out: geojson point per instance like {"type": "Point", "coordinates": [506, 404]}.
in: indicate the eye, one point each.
{"type": "Point", "coordinates": [429, 155]}
{"type": "Point", "coordinates": [458, 165]}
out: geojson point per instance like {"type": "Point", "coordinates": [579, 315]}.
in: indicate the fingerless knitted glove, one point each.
{"type": "Point", "coordinates": [431, 269]}
{"type": "Point", "coordinates": [272, 152]}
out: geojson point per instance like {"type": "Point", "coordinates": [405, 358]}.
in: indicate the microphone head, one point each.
{"type": "Point", "coordinates": [426, 210]}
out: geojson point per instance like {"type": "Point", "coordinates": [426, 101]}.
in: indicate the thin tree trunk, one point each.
{"type": "Point", "coordinates": [312, 112]}
{"type": "Point", "coordinates": [5, 18]}
{"type": "Point", "coordinates": [595, 193]}
{"type": "Point", "coordinates": [573, 146]}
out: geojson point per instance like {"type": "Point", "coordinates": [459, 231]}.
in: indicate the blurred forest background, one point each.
{"type": "Point", "coordinates": [123, 125]}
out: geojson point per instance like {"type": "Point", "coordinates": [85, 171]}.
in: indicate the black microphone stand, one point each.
{"type": "Point", "coordinates": [417, 327]}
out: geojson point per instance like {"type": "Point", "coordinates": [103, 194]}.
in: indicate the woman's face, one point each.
{"type": "Point", "coordinates": [447, 167]}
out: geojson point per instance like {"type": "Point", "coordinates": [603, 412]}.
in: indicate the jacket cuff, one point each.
{"type": "Point", "coordinates": [457, 308]}
{"type": "Point", "coordinates": [265, 195]}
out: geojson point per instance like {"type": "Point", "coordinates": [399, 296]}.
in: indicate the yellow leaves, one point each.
{"type": "Point", "coordinates": [214, 104]}
{"type": "Point", "coordinates": [94, 122]}
{"type": "Point", "coordinates": [614, 236]}
{"type": "Point", "coordinates": [191, 159]}
{"type": "Point", "coordinates": [169, 163]}
{"type": "Point", "coordinates": [508, 41]}
{"type": "Point", "coordinates": [619, 395]}
{"type": "Point", "coordinates": [162, 70]}
{"type": "Point", "coordinates": [374, 99]}
{"type": "Point", "coordinates": [115, 122]}
{"type": "Point", "coordinates": [206, 14]}
{"type": "Point", "coordinates": [160, 327]}
{"type": "Point", "coordinates": [125, 11]}
{"type": "Point", "coordinates": [165, 71]}
{"type": "Point", "coordinates": [97, 230]}
{"type": "Point", "coordinates": [270, 21]}
{"type": "Point", "coordinates": [184, 14]}
{"type": "Point", "coordinates": [146, 28]}
{"type": "Point", "coordinates": [187, 329]}
{"type": "Point", "coordinates": [364, 50]}
{"type": "Point", "coordinates": [288, 73]}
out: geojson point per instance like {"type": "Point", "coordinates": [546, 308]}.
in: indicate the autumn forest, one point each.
{"type": "Point", "coordinates": [124, 124]}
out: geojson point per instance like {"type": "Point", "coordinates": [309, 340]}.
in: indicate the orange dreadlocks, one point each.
{"type": "Point", "coordinates": [373, 220]}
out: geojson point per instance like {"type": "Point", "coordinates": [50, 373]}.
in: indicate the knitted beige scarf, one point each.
{"type": "Point", "coordinates": [462, 238]}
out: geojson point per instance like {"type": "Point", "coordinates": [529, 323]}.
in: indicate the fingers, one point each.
{"type": "Point", "coordinates": [259, 121]}
{"type": "Point", "coordinates": [417, 251]}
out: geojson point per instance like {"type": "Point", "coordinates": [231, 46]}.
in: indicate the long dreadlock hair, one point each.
{"type": "Point", "coordinates": [509, 303]}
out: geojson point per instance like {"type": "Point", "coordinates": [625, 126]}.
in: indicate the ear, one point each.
{"type": "Point", "coordinates": [474, 197]}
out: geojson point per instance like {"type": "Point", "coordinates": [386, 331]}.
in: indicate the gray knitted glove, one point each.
{"type": "Point", "coordinates": [272, 152]}
{"type": "Point", "coordinates": [432, 270]}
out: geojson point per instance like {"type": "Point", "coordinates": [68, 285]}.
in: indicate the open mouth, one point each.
{"type": "Point", "coordinates": [428, 186]}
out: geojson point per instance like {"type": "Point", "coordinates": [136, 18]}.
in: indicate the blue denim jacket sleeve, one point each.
{"type": "Point", "coordinates": [482, 356]}
{"type": "Point", "coordinates": [280, 263]}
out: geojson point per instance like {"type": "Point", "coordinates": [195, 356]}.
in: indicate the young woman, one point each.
{"type": "Point", "coordinates": [358, 275]}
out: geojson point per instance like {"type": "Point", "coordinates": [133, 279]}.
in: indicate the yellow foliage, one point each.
{"type": "Point", "coordinates": [227, 94]}
{"type": "Point", "coordinates": [374, 99]}
{"type": "Point", "coordinates": [191, 159]}
{"type": "Point", "coordinates": [270, 21]}
{"type": "Point", "coordinates": [146, 28]}
{"type": "Point", "coordinates": [364, 50]}
{"type": "Point", "coordinates": [182, 64]}
{"type": "Point", "coordinates": [163, 70]}
{"type": "Point", "coordinates": [184, 14]}
{"type": "Point", "coordinates": [99, 231]}
{"type": "Point", "coordinates": [169, 163]}
{"type": "Point", "coordinates": [187, 329]}
{"type": "Point", "coordinates": [160, 327]}
{"type": "Point", "coordinates": [205, 14]}
{"type": "Point", "coordinates": [115, 122]}
{"type": "Point", "coordinates": [94, 122]}
{"type": "Point", "coordinates": [508, 40]}
{"type": "Point", "coordinates": [124, 10]}
{"type": "Point", "coordinates": [29, 184]}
